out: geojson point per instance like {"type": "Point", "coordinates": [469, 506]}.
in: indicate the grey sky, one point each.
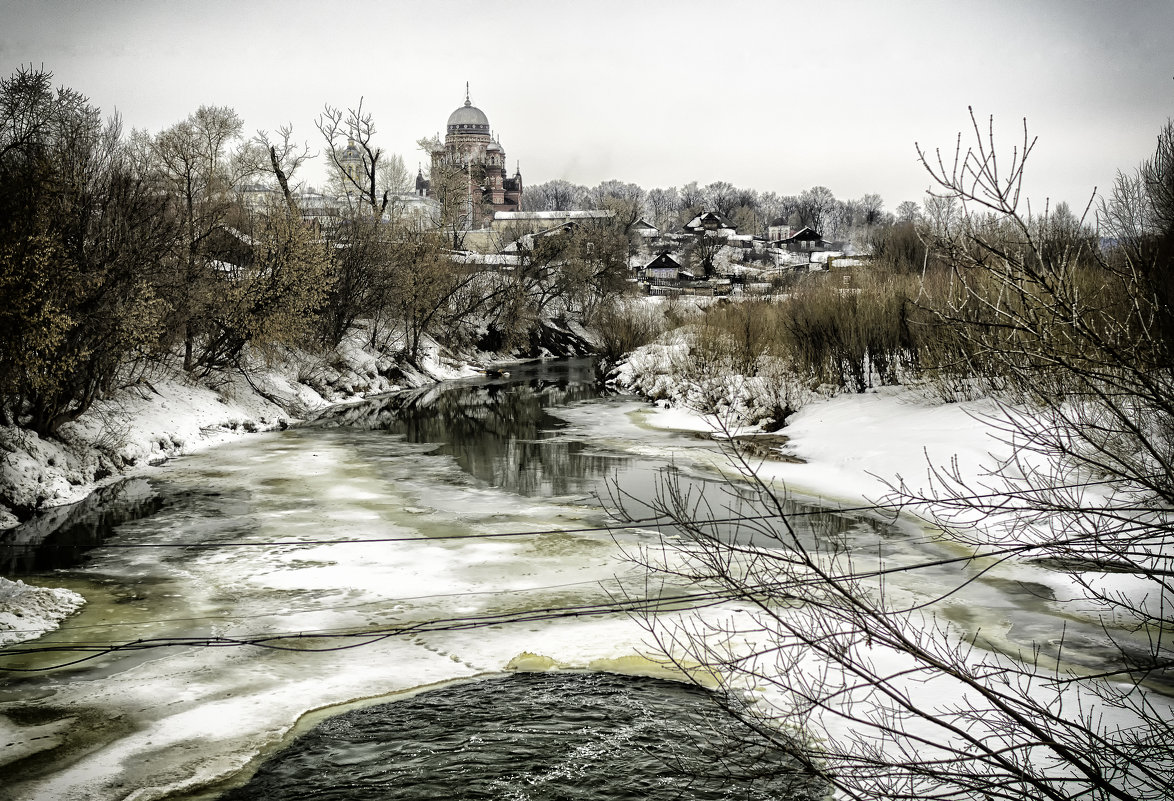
{"type": "Point", "coordinates": [773, 95]}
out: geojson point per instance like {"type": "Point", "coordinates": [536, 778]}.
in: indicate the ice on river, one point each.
{"type": "Point", "coordinates": [151, 722]}
{"type": "Point", "coordinates": [147, 723]}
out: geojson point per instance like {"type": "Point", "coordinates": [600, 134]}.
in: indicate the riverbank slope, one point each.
{"type": "Point", "coordinates": [169, 413]}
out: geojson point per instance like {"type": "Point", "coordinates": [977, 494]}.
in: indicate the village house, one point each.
{"type": "Point", "coordinates": [804, 240]}
{"type": "Point", "coordinates": [662, 271]}
{"type": "Point", "coordinates": [712, 223]}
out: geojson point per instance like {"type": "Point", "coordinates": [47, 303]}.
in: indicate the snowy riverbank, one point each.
{"type": "Point", "coordinates": [849, 447]}
{"type": "Point", "coordinates": [858, 449]}
{"type": "Point", "coordinates": [169, 413]}
{"type": "Point", "coordinates": [852, 448]}
{"type": "Point", "coordinates": [27, 612]}
{"type": "Point", "coordinates": [165, 415]}
{"type": "Point", "coordinates": [343, 492]}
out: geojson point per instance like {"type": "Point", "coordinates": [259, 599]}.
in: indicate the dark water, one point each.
{"type": "Point", "coordinates": [502, 433]}
{"type": "Point", "coordinates": [64, 535]}
{"type": "Point", "coordinates": [534, 737]}
{"type": "Point", "coordinates": [498, 432]}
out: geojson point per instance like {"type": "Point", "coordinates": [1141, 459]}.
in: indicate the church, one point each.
{"type": "Point", "coordinates": [470, 148]}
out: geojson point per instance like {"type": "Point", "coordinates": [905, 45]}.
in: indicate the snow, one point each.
{"type": "Point", "coordinates": [224, 707]}
{"type": "Point", "coordinates": [28, 612]}
{"type": "Point", "coordinates": [852, 447]}
{"type": "Point", "coordinates": [202, 713]}
{"type": "Point", "coordinates": [855, 447]}
{"type": "Point", "coordinates": [169, 414]}
{"type": "Point", "coordinates": [675, 418]}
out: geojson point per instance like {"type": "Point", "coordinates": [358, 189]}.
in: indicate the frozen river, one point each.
{"type": "Point", "coordinates": [389, 548]}
{"type": "Point", "coordinates": [292, 515]}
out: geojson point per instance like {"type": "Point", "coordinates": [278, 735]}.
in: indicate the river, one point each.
{"type": "Point", "coordinates": [382, 556]}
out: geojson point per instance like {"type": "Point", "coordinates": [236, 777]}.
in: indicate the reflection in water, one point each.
{"type": "Point", "coordinates": [535, 737]}
{"type": "Point", "coordinates": [498, 432]}
{"type": "Point", "coordinates": [62, 536]}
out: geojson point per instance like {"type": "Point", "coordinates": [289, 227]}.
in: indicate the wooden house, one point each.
{"type": "Point", "coordinates": [664, 270]}
{"type": "Point", "coordinates": [712, 223]}
{"type": "Point", "coordinates": [804, 240]}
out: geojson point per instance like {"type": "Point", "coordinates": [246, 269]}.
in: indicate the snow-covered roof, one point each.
{"type": "Point", "coordinates": [709, 218]}
{"type": "Point", "coordinates": [240, 235]}
{"type": "Point", "coordinates": [742, 269]}
{"type": "Point", "coordinates": [494, 259]}
{"type": "Point", "coordinates": [527, 240]}
{"type": "Point", "coordinates": [578, 214]}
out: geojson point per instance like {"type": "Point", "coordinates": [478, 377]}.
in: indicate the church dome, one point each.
{"type": "Point", "coordinates": [351, 153]}
{"type": "Point", "coordinates": [468, 119]}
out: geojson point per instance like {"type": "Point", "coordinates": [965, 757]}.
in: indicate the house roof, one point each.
{"type": "Point", "coordinates": [527, 240]}
{"type": "Point", "coordinates": [488, 259]}
{"type": "Point", "coordinates": [804, 234]}
{"type": "Point", "coordinates": [578, 214]}
{"type": "Point", "coordinates": [664, 260]}
{"type": "Point", "coordinates": [708, 219]}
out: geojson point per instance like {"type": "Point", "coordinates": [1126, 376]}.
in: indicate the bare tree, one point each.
{"type": "Point", "coordinates": [429, 294]}
{"type": "Point", "coordinates": [567, 270]}
{"type": "Point", "coordinates": [857, 664]}
{"type": "Point", "coordinates": [870, 209]}
{"type": "Point", "coordinates": [280, 156]}
{"type": "Point", "coordinates": [198, 163]}
{"type": "Point", "coordinates": [393, 176]}
{"type": "Point", "coordinates": [693, 201]}
{"type": "Point", "coordinates": [556, 195]}
{"type": "Point", "coordinates": [816, 209]}
{"type": "Point", "coordinates": [908, 211]}
{"type": "Point", "coordinates": [355, 128]}
{"type": "Point", "coordinates": [624, 200]}
{"type": "Point", "coordinates": [722, 197]}
{"type": "Point", "coordinates": [704, 248]}
{"type": "Point", "coordinates": [272, 301]}
{"type": "Point", "coordinates": [664, 206]}
{"type": "Point", "coordinates": [361, 288]}
{"type": "Point", "coordinates": [773, 210]}
{"type": "Point", "coordinates": [460, 203]}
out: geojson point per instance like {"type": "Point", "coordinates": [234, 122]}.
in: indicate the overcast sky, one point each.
{"type": "Point", "coordinates": [776, 96]}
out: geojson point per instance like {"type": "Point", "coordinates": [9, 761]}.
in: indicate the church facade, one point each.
{"type": "Point", "coordinates": [472, 155]}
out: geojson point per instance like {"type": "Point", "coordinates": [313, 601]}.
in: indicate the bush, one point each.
{"type": "Point", "coordinates": [622, 325]}
{"type": "Point", "coordinates": [846, 338]}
